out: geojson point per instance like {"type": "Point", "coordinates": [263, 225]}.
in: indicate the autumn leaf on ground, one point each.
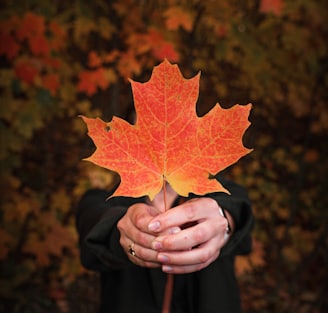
{"type": "Point", "coordinates": [169, 142]}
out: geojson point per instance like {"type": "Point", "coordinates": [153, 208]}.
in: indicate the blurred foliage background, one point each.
{"type": "Point", "coordinates": [60, 59]}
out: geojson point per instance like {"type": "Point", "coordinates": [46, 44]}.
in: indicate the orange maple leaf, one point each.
{"type": "Point", "coordinates": [169, 142]}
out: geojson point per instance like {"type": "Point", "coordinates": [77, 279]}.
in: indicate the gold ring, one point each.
{"type": "Point", "coordinates": [131, 250]}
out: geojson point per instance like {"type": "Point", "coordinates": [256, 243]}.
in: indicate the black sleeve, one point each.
{"type": "Point", "coordinates": [239, 206]}
{"type": "Point", "coordinates": [96, 220]}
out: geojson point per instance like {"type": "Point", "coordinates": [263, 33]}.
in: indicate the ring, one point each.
{"type": "Point", "coordinates": [131, 250]}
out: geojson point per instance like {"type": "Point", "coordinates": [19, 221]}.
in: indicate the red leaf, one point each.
{"type": "Point", "coordinates": [8, 46]}
{"type": "Point", "coordinates": [30, 26]}
{"type": "Point", "coordinates": [91, 80]}
{"type": "Point", "coordinates": [271, 6]}
{"type": "Point", "coordinates": [169, 142]}
{"type": "Point", "coordinates": [165, 51]}
{"type": "Point", "coordinates": [94, 60]}
{"type": "Point", "coordinates": [39, 45]}
{"type": "Point", "coordinates": [27, 71]}
{"type": "Point", "coordinates": [51, 82]}
{"type": "Point", "coordinates": [57, 40]}
{"type": "Point", "coordinates": [162, 49]}
{"type": "Point", "coordinates": [52, 62]}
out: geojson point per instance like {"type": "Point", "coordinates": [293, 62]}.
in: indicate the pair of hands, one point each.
{"type": "Point", "coordinates": [180, 240]}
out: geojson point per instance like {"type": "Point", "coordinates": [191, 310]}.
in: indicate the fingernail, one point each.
{"type": "Point", "coordinates": [153, 226]}
{"type": "Point", "coordinates": [157, 245]}
{"type": "Point", "coordinates": [166, 268]}
{"type": "Point", "coordinates": [162, 258]}
{"type": "Point", "coordinates": [174, 230]}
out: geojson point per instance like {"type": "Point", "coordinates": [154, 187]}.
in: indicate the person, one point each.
{"type": "Point", "coordinates": [134, 243]}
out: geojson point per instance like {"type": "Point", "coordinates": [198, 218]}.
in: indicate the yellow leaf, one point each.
{"type": "Point", "coordinates": [83, 27]}
{"type": "Point", "coordinates": [60, 201]}
{"type": "Point", "coordinates": [177, 17]}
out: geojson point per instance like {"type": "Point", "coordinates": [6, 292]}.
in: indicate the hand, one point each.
{"type": "Point", "coordinates": [194, 247]}
{"type": "Point", "coordinates": [133, 230]}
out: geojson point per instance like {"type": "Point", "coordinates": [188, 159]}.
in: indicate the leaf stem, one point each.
{"type": "Point", "coordinates": [169, 278]}
{"type": "Point", "coordinates": [168, 293]}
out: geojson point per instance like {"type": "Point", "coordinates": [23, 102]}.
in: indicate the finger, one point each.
{"type": "Point", "coordinates": [187, 268]}
{"type": "Point", "coordinates": [141, 242]}
{"type": "Point", "coordinates": [142, 215]}
{"type": "Point", "coordinates": [142, 256]}
{"type": "Point", "coordinates": [203, 254]}
{"type": "Point", "coordinates": [190, 211]}
{"type": "Point", "coordinates": [183, 269]}
{"type": "Point", "coordinates": [189, 237]}
{"type": "Point", "coordinates": [129, 232]}
{"type": "Point", "coordinates": [190, 262]}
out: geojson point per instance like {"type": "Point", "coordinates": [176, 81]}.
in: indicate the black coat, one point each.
{"type": "Point", "coordinates": [127, 288]}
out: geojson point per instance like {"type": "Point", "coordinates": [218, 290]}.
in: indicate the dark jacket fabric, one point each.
{"type": "Point", "coordinates": [127, 288]}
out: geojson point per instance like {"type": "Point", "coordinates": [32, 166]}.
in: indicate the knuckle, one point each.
{"type": "Point", "coordinates": [139, 220]}
{"type": "Point", "coordinates": [141, 255]}
{"type": "Point", "coordinates": [190, 211]}
{"type": "Point", "coordinates": [119, 224]}
{"type": "Point", "coordinates": [140, 238]}
{"type": "Point", "coordinates": [205, 256]}
{"type": "Point", "coordinates": [199, 235]}
{"type": "Point", "coordinates": [168, 243]}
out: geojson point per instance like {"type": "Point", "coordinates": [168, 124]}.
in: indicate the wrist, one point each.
{"type": "Point", "coordinates": [229, 228]}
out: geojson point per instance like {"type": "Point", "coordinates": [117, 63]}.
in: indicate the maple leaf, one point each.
{"type": "Point", "coordinates": [165, 50]}
{"type": "Point", "coordinates": [89, 81]}
{"type": "Point", "coordinates": [94, 60]}
{"type": "Point", "coordinates": [178, 17]}
{"type": "Point", "coordinates": [8, 46]}
{"type": "Point", "coordinates": [162, 49]}
{"type": "Point", "coordinates": [39, 45]}
{"type": "Point", "coordinates": [31, 25]}
{"type": "Point", "coordinates": [271, 6]}
{"type": "Point", "coordinates": [169, 142]}
{"type": "Point", "coordinates": [57, 40]}
{"type": "Point", "coordinates": [128, 65]}
{"type": "Point", "coordinates": [51, 82]}
{"type": "Point", "coordinates": [27, 71]}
